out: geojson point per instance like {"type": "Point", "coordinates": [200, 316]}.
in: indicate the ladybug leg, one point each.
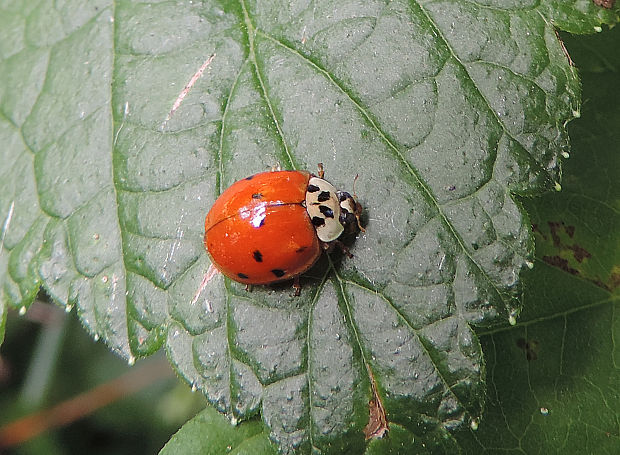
{"type": "Point", "coordinates": [248, 288]}
{"type": "Point", "coordinates": [276, 167]}
{"type": "Point", "coordinates": [343, 248]}
{"type": "Point", "coordinates": [297, 286]}
{"type": "Point", "coordinates": [358, 206]}
{"type": "Point", "coordinates": [321, 173]}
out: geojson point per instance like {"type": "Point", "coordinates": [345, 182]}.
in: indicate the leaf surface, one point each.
{"type": "Point", "coordinates": [210, 433]}
{"type": "Point", "coordinates": [446, 110]}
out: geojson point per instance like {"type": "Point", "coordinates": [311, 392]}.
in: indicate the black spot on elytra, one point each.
{"type": "Point", "coordinates": [243, 276]}
{"type": "Point", "coordinates": [278, 272]}
{"type": "Point", "coordinates": [323, 196]}
{"type": "Point", "coordinates": [318, 221]}
{"type": "Point", "coordinates": [258, 256]}
{"type": "Point", "coordinates": [329, 213]}
{"type": "Point", "coordinates": [313, 188]}
{"type": "Point", "coordinates": [257, 196]}
{"type": "Point", "coordinates": [301, 249]}
{"type": "Point", "coordinates": [250, 177]}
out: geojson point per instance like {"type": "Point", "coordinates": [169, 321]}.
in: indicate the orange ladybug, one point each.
{"type": "Point", "coordinates": [273, 226]}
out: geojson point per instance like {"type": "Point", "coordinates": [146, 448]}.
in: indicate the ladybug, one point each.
{"type": "Point", "coordinates": [273, 226]}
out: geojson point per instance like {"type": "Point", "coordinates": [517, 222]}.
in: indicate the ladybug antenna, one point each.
{"type": "Point", "coordinates": [354, 182]}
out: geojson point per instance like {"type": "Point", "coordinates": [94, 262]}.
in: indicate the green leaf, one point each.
{"type": "Point", "coordinates": [554, 377]}
{"type": "Point", "coordinates": [446, 110]}
{"type": "Point", "coordinates": [210, 433]}
{"type": "Point", "coordinates": [576, 16]}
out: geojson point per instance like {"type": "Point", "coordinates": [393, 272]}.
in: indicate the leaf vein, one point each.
{"type": "Point", "coordinates": [420, 343]}
{"type": "Point", "coordinates": [471, 79]}
{"type": "Point", "coordinates": [219, 160]}
{"type": "Point", "coordinates": [423, 187]}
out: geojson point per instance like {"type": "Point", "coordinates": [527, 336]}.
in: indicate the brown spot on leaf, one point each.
{"type": "Point", "coordinates": [377, 426]}
{"type": "Point", "coordinates": [557, 229]}
{"type": "Point", "coordinates": [554, 227]}
{"type": "Point", "coordinates": [567, 254]}
{"type": "Point", "coordinates": [600, 284]}
{"type": "Point", "coordinates": [537, 230]}
{"type": "Point", "coordinates": [579, 252]}
{"type": "Point", "coordinates": [614, 278]}
{"type": "Point", "coordinates": [608, 4]}
{"type": "Point", "coordinates": [561, 263]}
{"type": "Point", "coordinates": [530, 347]}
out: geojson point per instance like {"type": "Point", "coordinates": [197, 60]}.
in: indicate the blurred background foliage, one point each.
{"type": "Point", "coordinates": [47, 359]}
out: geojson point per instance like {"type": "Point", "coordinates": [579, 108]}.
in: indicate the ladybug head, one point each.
{"type": "Point", "coordinates": [350, 212]}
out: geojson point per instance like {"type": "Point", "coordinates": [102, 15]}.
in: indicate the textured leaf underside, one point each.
{"type": "Point", "coordinates": [444, 109]}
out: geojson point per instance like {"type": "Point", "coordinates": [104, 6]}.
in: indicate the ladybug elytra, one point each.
{"type": "Point", "coordinates": [273, 226]}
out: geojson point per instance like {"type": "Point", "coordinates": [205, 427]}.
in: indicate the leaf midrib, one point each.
{"type": "Point", "coordinates": [251, 32]}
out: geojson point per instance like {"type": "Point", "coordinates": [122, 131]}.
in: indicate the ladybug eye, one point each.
{"type": "Point", "coordinates": [346, 218]}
